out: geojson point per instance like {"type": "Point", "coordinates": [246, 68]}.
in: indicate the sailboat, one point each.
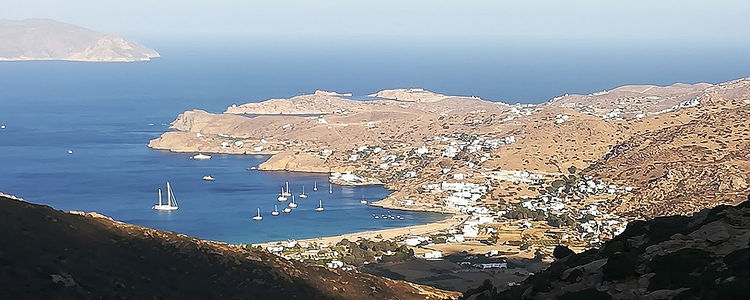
{"type": "Point", "coordinates": [293, 204]}
{"type": "Point", "coordinates": [258, 217]}
{"type": "Point", "coordinates": [315, 186]}
{"type": "Point", "coordinates": [281, 197]}
{"type": "Point", "coordinates": [303, 195]}
{"type": "Point", "coordinates": [286, 192]}
{"type": "Point", "coordinates": [330, 188]}
{"type": "Point", "coordinates": [275, 211]}
{"type": "Point", "coordinates": [363, 201]}
{"type": "Point", "coordinates": [320, 206]}
{"type": "Point", "coordinates": [171, 200]}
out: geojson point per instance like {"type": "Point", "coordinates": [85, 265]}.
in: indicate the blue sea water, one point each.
{"type": "Point", "coordinates": [107, 113]}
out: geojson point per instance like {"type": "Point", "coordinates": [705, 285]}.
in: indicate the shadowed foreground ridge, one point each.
{"type": "Point", "coordinates": [705, 256]}
{"type": "Point", "coordinates": [50, 254]}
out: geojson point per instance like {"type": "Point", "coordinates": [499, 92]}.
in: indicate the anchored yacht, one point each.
{"type": "Point", "coordinates": [258, 217]}
{"type": "Point", "coordinates": [171, 201]}
{"type": "Point", "coordinates": [201, 156]}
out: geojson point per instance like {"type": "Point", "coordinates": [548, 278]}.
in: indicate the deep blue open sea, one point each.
{"type": "Point", "coordinates": [107, 113]}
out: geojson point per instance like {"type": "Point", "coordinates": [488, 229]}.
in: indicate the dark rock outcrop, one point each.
{"type": "Point", "coordinates": [50, 254]}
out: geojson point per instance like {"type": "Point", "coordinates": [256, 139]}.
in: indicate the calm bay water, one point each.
{"type": "Point", "coordinates": [107, 113]}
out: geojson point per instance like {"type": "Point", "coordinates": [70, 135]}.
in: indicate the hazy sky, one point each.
{"type": "Point", "coordinates": [600, 19]}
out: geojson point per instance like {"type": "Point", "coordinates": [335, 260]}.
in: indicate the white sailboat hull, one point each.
{"type": "Point", "coordinates": [164, 207]}
{"type": "Point", "coordinates": [171, 201]}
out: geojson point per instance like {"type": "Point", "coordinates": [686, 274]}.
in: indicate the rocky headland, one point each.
{"type": "Point", "coordinates": [44, 39]}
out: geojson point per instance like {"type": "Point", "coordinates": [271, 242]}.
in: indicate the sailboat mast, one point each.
{"type": "Point", "coordinates": [259, 211]}
{"type": "Point", "coordinates": [287, 187]}
{"type": "Point", "coordinates": [159, 197]}
{"type": "Point", "coordinates": [169, 194]}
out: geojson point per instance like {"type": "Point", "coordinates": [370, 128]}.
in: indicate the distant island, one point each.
{"type": "Point", "coordinates": [45, 39]}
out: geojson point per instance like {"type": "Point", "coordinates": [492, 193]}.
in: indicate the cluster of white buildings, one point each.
{"type": "Point", "coordinates": [518, 176]}
{"type": "Point", "coordinates": [463, 194]}
{"type": "Point", "coordinates": [559, 119]}
{"type": "Point", "coordinates": [592, 186]}
{"type": "Point", "coordinates": [347, 177]}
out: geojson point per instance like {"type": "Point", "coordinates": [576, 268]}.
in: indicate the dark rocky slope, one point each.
{"type": "Point", "coordinates": [704, 256]}
{"type": "Point", "coordinates": [50, 254]}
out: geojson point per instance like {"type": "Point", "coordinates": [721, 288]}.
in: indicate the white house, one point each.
{"type": "Point", "coordinates": [433, 255]}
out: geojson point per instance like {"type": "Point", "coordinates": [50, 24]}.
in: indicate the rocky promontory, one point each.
{"type": "Point", "coordinates": [44, 39]}
{"type": "Point", "coordinates": [409, 95]}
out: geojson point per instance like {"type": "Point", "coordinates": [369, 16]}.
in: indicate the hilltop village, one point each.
{"type": "Point", "coordinates": [516, 179]}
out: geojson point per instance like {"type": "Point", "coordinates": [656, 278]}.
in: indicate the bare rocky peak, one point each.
{"type": "Point", "coordinates": [44, 39]}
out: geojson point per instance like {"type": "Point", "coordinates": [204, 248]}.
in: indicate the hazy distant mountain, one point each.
{"type": "Point", "coordinates": [44, 39]}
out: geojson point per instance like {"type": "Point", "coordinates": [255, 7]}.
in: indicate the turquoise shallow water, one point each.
{"type": "Point", "coordinates": [107, 113]}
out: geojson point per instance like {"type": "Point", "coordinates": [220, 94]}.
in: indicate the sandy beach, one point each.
{"type": "Point", "coordinates": [384, 234]}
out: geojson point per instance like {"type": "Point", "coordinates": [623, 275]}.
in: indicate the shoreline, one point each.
{"type": "Point", "coordinates": [379, 234]}
{"type": "Point", "coordinates": [448, 222]}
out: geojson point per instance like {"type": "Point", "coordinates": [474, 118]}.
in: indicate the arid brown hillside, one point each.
{"type": "Point", "coordinates": [50, 254]}
{"type": "Point", "coordinates": [684, 168]}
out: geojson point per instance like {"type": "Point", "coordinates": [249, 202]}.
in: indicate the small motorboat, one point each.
{"type": "Point", "coordinates": [375, 216]}
{"type": "Point", "coordinates": [2, 126]}
{"type": "Point", "coordinates": [201, 156]}
{"type": "Point", "coordinates": [287, 210]}
{"type": "Point", "coordinates": [399, 217]}
{"type": "Point", "coordinates": [208, 178]}
{"type": "Point", "coordinates": [70, 151]}
{"type": "Point", "coordinates": [258, 217]}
